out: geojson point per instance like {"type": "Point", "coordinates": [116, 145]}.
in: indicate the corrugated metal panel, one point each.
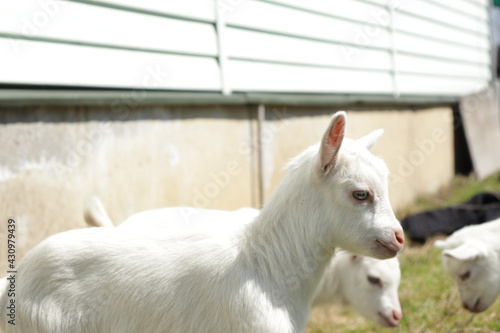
{"type": "Point", "coordinates": [275, 18]}
{"type": "Point", "coordinates": [446, 15]}
{"type": "Point", "coordinates": [271, 77]}
{"type": "Point", "coordinates": [385, 47]}
{"type": "Point", "coordinates": [434, 66]}
{"type": "Point", "coordinates": [203, 10]}
{"type": "Point", "coordinates": [415, 84]}
{"type": "Point", "coordinates": [63, 64]}
{"type": "Point", "coordinates": [356, 11]}
{"type": "Point", "coordinates": [431, 29]}
{"type": "Point", "coordinates": [453, 50]}
{"type": "Point", "coordinates": [82, 23]}
{"type": "Point", "coordinates": [244, 44]}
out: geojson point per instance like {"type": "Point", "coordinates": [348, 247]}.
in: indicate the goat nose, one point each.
{"type": "Point", "coordinates": [473, 307]}
{"type": "Point", "coordinates": [396, 315]}
{"type": "Point", "coordinates": [400, 237]}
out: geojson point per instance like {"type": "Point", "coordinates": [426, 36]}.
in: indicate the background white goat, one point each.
{"type": "Point", "coordinates": [367, 284]}
{"type": "Point", "coordinates": [471, 256]}
{"type": "Point", "coordinates": [256, 277]}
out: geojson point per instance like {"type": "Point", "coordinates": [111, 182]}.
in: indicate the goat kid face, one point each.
{"type": "Point", "coordinates": [354, 189]}
{"type": "Point", "coordinates": [372, 288]}
{"type": "Point", "coordinates": [476, 275]}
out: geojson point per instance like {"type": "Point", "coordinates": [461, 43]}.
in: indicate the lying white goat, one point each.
{"type": "Point", "coordinates": [256, 277]}
{"type": "Point", "coordinates": [471, 256]}
{"type": "Point", "coordinates": [367, 284]}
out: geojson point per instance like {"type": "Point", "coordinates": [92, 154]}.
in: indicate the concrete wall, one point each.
{"type": "Point", "coordinates": [53, 158]}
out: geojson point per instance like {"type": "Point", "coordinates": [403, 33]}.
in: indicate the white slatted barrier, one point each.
{"type": "Point", "coordinates": [358, 47]}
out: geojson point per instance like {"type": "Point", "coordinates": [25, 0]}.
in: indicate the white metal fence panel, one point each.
{"type": "Point", "coordinates": [81, 23]}
{"type": "Point", "coordinates": [60, 64]}
{"type": "Point", "coordinates": [203, 10]}
{"type": "Point", "coordinates": [259, 46]}
{"type": "Point", "coordinates": [253, 76]}
{"type": "Point", "coordinates": [362, 47]}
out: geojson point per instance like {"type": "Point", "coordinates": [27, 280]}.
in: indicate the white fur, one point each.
{"type": "Point", "coordinates": [471, 256]}
{"type": "Point", "coordinates": [182, 217]}
{"type": "Point", "coordinates": [170, 217]}
{"type": "Point", "coordinates": [348, 279]}
{"type": "Point", "coordinates": [367, 284]}
{"type": "Point", "coordinates": [256, 277]}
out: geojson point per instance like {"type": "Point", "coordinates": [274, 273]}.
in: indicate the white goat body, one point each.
{"type": "Point", "coordinates": [367, 284]}
{"type": "Point", "coordinates": [170, 217]}
{"type": "Point", "coordinates": [471, 256]}
{"type": "Point", "coordinates": [255, 277]}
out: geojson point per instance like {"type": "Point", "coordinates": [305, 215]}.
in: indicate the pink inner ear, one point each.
{"type": "Point", "coordinates": [336, 133]}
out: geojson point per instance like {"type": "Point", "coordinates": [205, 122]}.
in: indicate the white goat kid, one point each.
{"type": "Point", "coordinates": [471, 256]}
{"type": "Point", "coordinates": [256, 277]}
{"type": "Point", "coordinates": [367, 284]}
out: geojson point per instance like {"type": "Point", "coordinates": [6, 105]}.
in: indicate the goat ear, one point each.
{"type": "Point", "coordinates": [371, 139]}
{"type": "Point", "coordinates": [332, 140]}
{"type": "Point", "coordinates": [465, 252]}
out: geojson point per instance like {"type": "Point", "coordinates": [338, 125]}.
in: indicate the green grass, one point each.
{"type": "Point", "coordinates": [428, 297]}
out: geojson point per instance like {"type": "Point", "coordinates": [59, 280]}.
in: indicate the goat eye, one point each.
{"type": "Point", "coordinates": [360, 195]}
{"type": "Point", "coordinates": [374, 280]}
{"type": "Point", "coordinates": [465, 276]}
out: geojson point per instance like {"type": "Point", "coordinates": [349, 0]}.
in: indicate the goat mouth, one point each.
{"type": "Point", "coordinates": [392, 251]}
{"type": "Point", "coordinates": [476, 308]}
{"type": "Point", "coordinates": [385, 321]}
